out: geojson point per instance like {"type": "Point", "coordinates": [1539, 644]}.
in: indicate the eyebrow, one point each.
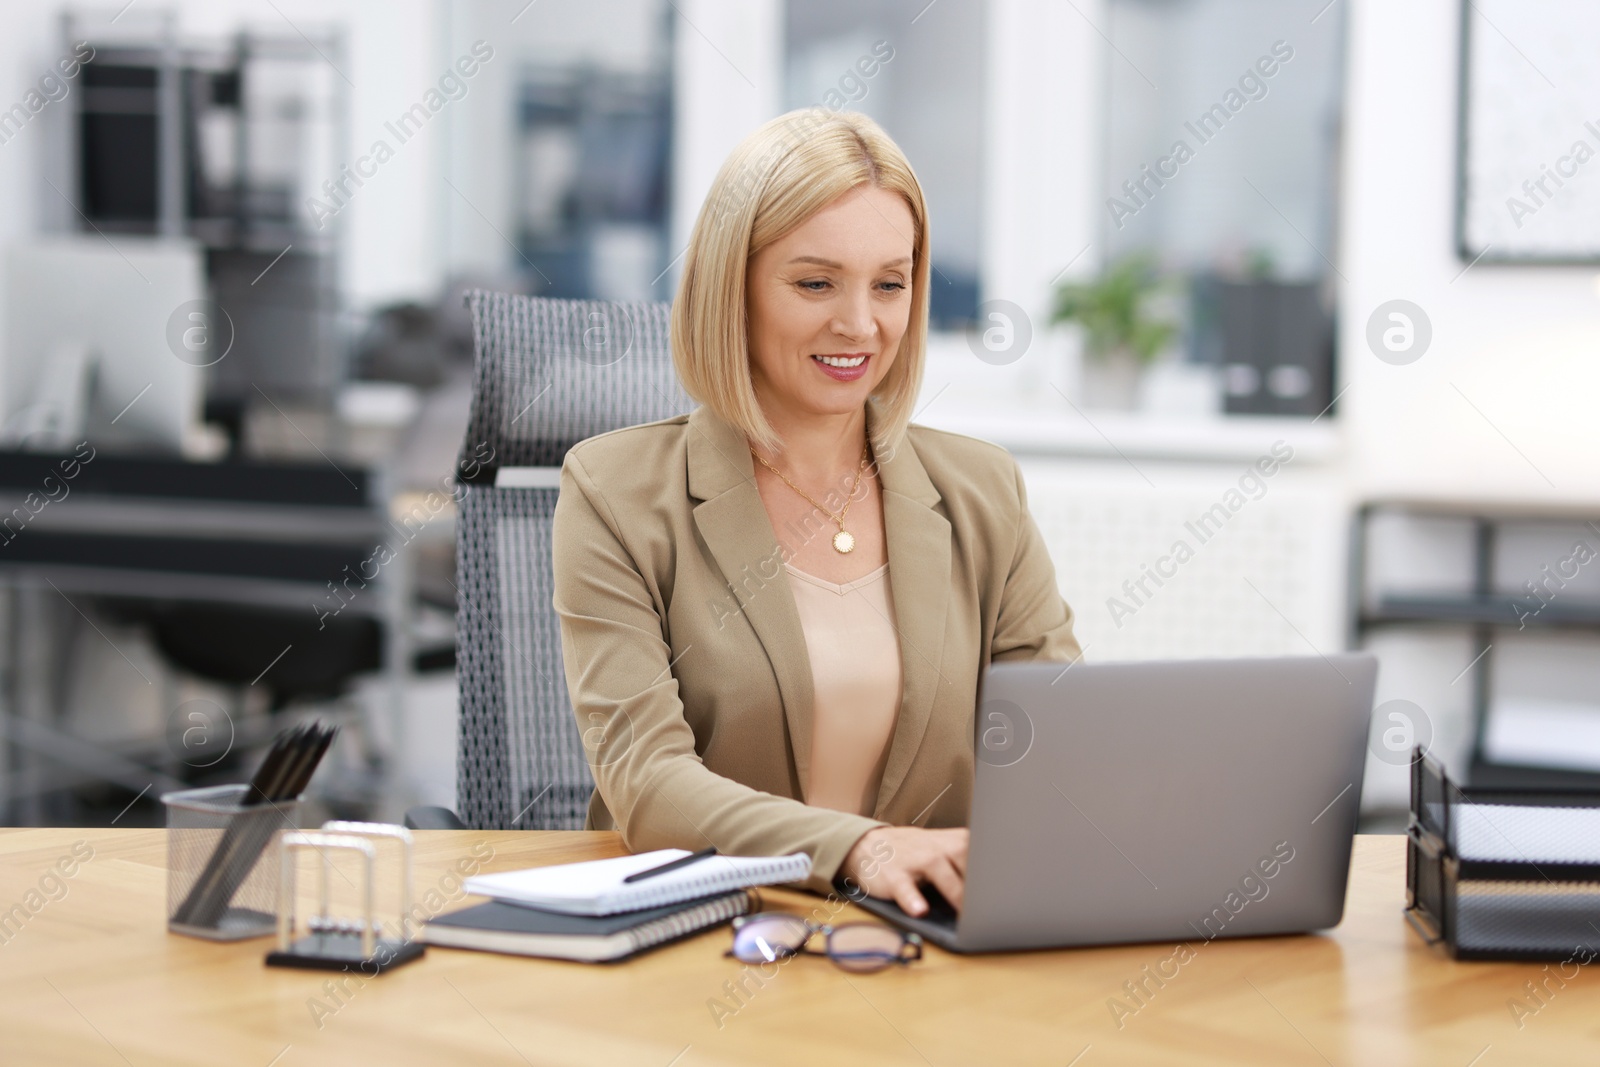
{"type": "Point", "coordinates": [839, 266]}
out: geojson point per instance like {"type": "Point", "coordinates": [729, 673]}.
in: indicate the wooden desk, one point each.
{"type": "Point", "coordinates": [93, 978]}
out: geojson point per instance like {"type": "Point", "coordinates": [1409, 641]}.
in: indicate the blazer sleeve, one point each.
{"type": "Point", "coordinates": [1035, 622]}
{"type": "Point", "coordinates": [640, 748]}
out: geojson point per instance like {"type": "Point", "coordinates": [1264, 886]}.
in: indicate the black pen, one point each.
{"type": "Point", "coordinates": [671, 865]}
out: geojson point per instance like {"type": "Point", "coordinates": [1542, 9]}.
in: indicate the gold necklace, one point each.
{"type": "Point", "coordinates": [843, 541]}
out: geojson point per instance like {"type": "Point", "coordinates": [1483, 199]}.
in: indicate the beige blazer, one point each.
{"type": "Point", "coordinates": [687, 664]}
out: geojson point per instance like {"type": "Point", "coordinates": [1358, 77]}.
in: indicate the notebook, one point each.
{"type": "Point", "coordinates": [596, 887]}
{"type": "Point", "coordinates": [523, 931]}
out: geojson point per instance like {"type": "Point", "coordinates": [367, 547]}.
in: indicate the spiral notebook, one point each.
{"type": "Point", "coordinates": [596, 887]}
{"type": "Point", "coordinates": [522, 931]}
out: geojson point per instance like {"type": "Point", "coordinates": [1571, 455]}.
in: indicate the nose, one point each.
{"type": "Point", "coordinates": [854, 318]}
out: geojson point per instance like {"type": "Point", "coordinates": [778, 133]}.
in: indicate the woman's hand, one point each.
{"type": "Point", "coordinates": [890, 861]}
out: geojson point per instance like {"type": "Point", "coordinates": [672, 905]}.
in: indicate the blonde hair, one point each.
{"type": "Point", "coordinates": [782, 174]}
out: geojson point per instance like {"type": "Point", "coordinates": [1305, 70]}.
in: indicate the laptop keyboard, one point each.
{"type": "Point", "coordinates": [940, 916]}
{"type": "Point", "coordinates": [940, 913]}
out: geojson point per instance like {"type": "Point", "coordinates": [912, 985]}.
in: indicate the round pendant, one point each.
{"type": "Point", "coordinates": [844, 541]}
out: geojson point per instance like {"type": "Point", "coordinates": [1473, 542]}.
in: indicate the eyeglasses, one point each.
{"type": "Point", "coordinates": [769, 936]}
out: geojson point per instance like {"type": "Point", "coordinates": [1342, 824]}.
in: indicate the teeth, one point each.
{"type": "Point", "coordinates": [841, 361]}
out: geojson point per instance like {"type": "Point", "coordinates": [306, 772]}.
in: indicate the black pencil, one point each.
{"type": "Point", "coordinates": [270, 771]}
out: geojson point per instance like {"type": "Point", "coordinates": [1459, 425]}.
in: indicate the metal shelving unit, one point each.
{"type": "Point", "coordinates": [222, 142]}
{"type": "Point", "coordinates": [1483, 610]}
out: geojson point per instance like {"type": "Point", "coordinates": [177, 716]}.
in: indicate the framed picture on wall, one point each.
{"type": "Point", "coordinates": [1528, 153]}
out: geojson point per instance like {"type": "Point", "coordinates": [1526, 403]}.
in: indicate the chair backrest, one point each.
{"type": "Point", "coordinates": [548, 374]}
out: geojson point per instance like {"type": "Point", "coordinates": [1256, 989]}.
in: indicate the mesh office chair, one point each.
{"type": "Point", "coordinates": [548, 373]}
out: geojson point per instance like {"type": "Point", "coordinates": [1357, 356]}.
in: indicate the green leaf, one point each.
{"type": "Point", "coordinates": [1114, 309]}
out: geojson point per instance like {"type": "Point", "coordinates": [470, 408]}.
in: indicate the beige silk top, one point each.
{"type": "Point", "coordinates": [854, 650]}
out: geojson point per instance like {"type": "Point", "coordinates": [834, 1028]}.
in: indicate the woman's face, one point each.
{"type": "Point", "coordinates": [828, 304]}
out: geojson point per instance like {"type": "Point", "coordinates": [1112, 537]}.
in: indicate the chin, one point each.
{"type": "Point", "coordinates": [823, 398]}
{"type": "Point", "coordinates": [840, 401]}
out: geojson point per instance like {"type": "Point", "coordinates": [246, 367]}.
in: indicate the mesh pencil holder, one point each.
{"type": "Point", "coordinates": [222, 871]}
{"type": "Point", "coordinates": [1502, 874]}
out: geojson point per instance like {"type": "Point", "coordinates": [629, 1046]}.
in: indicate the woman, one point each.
{"type": "Point", "coordinates": [775, 610]}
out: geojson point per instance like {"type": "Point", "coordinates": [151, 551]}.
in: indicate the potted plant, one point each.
{"type": "Point", "coordinates": [1124, 329]}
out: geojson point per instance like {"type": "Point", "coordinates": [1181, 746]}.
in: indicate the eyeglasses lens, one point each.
{"type": "Point", "coordinates": [768, 938]}
{"type": "Point", "coordinates": [864, 946]}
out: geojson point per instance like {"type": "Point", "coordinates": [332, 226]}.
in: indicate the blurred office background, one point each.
{"type": "Point", "coordinates": [1177, 244]}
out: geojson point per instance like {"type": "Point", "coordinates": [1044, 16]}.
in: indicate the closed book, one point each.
{"type": "Point", "coordinates": [524, 931]}
{"type": "Point", "coordinates": [599, 887]}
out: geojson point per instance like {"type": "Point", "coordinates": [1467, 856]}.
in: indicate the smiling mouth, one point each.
{"type": "Point", "coordinates": [841, 361]}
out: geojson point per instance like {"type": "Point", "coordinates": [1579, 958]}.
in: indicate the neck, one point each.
{"type": "Point", "coordinates": [818, 450]}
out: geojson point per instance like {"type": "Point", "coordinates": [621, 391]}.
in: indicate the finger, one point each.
{"type": "Point", "coordinates": [957, 855]}
{"type": "Point", "coordinates": [906, 895]}
{"type": "Point", "coordinates": [947, 881]}
{"type": "Point", "coordinates": [854, 888]}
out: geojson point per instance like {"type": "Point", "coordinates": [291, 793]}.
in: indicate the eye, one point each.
{"type": "Point", "coordinates": [894, 287]}
{"type": "Point", "coordinates": [807, 286]}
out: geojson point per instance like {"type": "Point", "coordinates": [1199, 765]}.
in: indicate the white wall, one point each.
{"type": "Point", "coordinates": [28, 49]}
{"type": "Point", "coordinates": [1520, 343]}
{"type": "Point", "coordinates": [728, 77]}
{"type": "Point", "coordinates": [1041, 149]}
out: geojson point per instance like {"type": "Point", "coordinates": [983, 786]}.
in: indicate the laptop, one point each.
{"type": "Point", "coordinates": [1165, 801]}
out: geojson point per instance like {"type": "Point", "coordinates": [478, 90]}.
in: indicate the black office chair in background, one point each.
{"type": "Point", "coordinates": [548, 373]}
{"type": "Point", "coordinates": [314, 661]}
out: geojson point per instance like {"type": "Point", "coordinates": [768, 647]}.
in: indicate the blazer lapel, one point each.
{"type": "Point", "coordinates": [739, 534]}
{"type": "Point", "coordinates": [919, 584]}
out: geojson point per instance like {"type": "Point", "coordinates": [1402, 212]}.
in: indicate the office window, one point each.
{"type": "Point", "coordinates": [927, 90]}
{"type": "Point", "coordinates": [590, 179]}
{"type": "Point", "coordinates": [1221, 149]}
{"type": "Point", "coordinates": [558, 169]}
